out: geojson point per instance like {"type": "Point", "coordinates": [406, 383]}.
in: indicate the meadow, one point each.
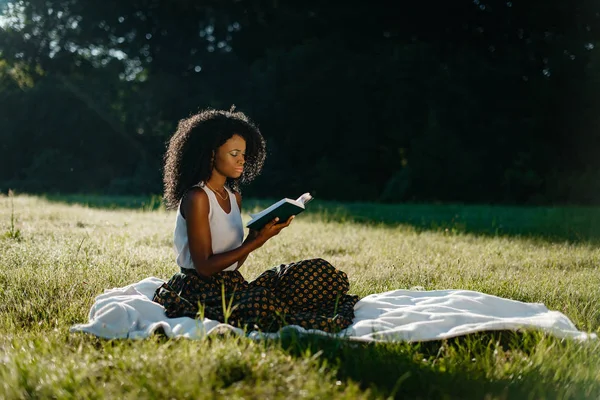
{"type": "Point", "coordinates": [58, 252]}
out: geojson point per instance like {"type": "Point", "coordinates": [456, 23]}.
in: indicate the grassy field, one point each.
{"type": "Point", "coordinates": [58, 253]}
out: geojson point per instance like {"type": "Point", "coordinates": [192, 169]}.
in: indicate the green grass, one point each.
{"type": "Point", "coordinates": [69, 249]}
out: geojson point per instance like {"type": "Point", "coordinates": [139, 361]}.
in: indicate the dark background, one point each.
{"type": "Point", "coordinates": [441, 101]}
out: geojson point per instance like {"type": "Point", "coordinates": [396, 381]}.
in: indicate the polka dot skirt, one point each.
{"type": "Point", "coordinates": [309, 293]}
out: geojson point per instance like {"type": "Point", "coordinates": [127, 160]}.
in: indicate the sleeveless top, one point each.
{"type": "Point", "coordinates": [226, 230]}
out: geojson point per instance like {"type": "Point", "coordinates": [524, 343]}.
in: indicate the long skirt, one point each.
{"type": "Point", "coordinates": [308, 293]}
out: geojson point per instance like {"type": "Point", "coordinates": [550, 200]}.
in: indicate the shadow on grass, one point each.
{"type": "Point", "coordinates": [425, 370]}
{"type": "Point", "coordinates": [464, 367]}
{"type": "Point", "coordinates": [553, 224]}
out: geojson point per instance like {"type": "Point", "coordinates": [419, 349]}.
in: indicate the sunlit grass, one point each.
{"type": "Point", "coordinates": [68, 253]}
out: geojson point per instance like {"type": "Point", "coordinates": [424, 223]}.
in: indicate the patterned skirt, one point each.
{"type": "Point", "coordinates": [309, 293]}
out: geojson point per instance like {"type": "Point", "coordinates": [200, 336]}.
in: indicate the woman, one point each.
{"type": "Point", "coordinates": [209, 155]}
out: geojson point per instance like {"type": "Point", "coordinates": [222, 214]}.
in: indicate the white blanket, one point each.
{"type": "Point", "coordinates": [397, 315]}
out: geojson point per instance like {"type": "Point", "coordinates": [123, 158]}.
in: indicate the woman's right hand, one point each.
{"type": "Point", "coordinates": [272, 229]}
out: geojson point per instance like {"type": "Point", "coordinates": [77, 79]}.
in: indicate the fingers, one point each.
{"type": "Point", "coordinates": [275, 220]}
{"type": "Point", "coordinates": [269, 225]}
{"type": "Point", "coordinates": [286, 223]}
{"type": "Point", "coordinates": [289, 221]}
{"type": "Point", "coordinates": [275, 226]}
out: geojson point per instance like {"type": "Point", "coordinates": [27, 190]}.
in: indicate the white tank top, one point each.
{"type": "Point", "coordinates": [226, 230]}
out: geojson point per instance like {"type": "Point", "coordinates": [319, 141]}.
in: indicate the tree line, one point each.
{"type": "Point", "coordinates": [469, 101]}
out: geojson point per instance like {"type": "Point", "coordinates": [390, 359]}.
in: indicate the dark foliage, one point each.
{"type": "Point", "coordinates": [469, 101]}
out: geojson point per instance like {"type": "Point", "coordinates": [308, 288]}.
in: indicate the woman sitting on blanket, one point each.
{"type": "Point", "coordinates": [209, 155]}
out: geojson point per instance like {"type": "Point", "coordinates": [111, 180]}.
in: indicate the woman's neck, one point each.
{"type": "Point", "coordinates": [216, 183]}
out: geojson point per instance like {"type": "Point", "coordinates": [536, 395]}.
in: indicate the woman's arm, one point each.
{"type": "Point", "coordinates": [195, 206]}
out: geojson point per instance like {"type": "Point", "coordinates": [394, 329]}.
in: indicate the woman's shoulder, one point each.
{"type": "Point", "coordinates": [194, 199]}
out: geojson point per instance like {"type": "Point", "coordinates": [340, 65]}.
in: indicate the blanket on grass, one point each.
{"type": "Point", "coordinates": [397, 315]}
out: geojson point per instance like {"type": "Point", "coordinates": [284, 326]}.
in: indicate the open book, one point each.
{"type": "Point", "coordinates": [283, 209]}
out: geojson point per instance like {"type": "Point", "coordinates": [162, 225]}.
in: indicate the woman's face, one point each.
{"type": "Point", "coordinates": [230, 157]}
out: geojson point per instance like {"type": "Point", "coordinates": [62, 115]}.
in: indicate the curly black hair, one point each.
{"type": "Point", "coordinates": [188, 159]}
